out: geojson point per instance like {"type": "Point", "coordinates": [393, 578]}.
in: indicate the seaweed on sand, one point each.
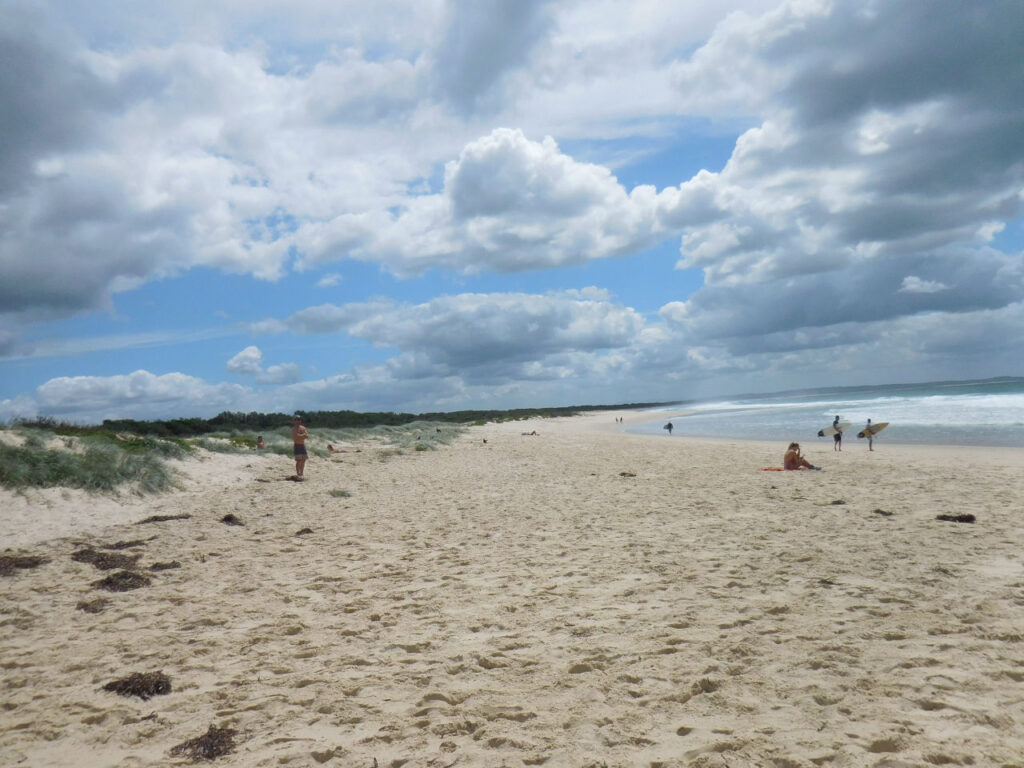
{"type": "Point", "coordinates": [162, 518]}
{"type": "Point", "coordinates": [215, 743]}
{"type": "Point", "coordinates": [122, 581]}
{"type": "Point", "coordinates": [11, 563]}
{"type": "Point", "coordinates": [956, 518]}
{"type": "Point", "coordinates": [145, 685]}
{"type": "Point", "coordinates": [105, 561]}
{"type": "Point", "coordinates": [125, 544]}
{"type": "Point", "coordinates": [93, 606]}
{"type": "Point", "coordinates": [165, 566]}
{"type": "Point", "coordinates": [230, 519]}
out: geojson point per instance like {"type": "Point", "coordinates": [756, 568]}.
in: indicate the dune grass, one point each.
{"type": "Point", "coordinates": [102, 460]}
{"type": "Point", "coordinates": [92, 466]}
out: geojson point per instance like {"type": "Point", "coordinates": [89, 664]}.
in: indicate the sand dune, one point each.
{"type": "Point", "coordinates": [578, 598]}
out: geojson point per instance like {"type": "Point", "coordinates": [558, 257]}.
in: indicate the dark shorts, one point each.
{"type": "Point", "coordinates": [300, 449]}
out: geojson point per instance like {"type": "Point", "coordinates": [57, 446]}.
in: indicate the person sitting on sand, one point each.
{"type": "Point", "coordinates": [793, 459]}
{"type": "Point", "coordinates": [299, 437]}
{"type": "Point", "coordinates": [260, 443]}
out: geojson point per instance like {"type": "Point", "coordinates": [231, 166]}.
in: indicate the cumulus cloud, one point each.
{"type": "Point", "coordinates": [510, 204]}
{"type": "Point", "coordinates": [250, 362]}
{"type": "Point", "coordinates": [136, 395]}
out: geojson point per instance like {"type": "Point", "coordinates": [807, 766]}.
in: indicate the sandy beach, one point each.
{"type": "Point", "coordinates": [578, 598]}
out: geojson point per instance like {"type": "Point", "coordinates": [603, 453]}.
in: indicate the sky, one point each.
{"type": "Point", "coordinates": [434, 205]}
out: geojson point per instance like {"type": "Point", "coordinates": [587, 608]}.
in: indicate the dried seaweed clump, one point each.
{"type": "Point", "coordinates": [11, 563]}
{"type": "Point", "coordinates": [93, 606]}
{"type": "Point", "coordinates": [145, 685]}
{"type": "Point", "coordinates": [230, 519]}
{"type": "Point", "coordinates": [165, 566]}
{"type": "Point", "coordinates": [122, 581]}
{"type": "Point", "coordinates": [105, 561]}
{"type": "Point", "coordinates": [162, 518]}
{"type": "Point", "coordinates": [126, 544]}
{"type": "Point", "coordinates": [215, 743]}
{"type": "Point", "coordinates": [956, 518]}
{"type": "Point", "coordinates": [304, 532]}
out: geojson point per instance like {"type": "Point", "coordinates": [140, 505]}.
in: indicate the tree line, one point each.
{"type": "Point", "coordinates": [236, 421]}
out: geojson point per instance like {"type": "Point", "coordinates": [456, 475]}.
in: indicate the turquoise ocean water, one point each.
{"type": "Point", "coordinates": [984, 412]}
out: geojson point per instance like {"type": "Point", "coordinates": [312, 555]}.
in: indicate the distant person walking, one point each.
{"type": "Point", "coordinates": [837, 438]}
{"type": "Point", "coordinates": [669, 428]}
{"type": "Point", "coordinates": [299, 437]}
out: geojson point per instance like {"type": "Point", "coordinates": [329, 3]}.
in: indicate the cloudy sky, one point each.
{"type": "Point", "coordinates": [425, 205]}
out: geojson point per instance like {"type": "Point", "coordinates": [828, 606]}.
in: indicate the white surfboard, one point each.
{"type": "Point", "coordinates": [874, 430]}
{"type": "Point", "coordinates": [830, 430]}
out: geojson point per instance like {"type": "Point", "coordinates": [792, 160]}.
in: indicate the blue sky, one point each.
{"type": "Point", "coordinates": [432, 205]}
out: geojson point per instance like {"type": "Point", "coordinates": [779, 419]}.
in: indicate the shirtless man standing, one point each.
{"type": "Point", "coordinates": [299, 437]}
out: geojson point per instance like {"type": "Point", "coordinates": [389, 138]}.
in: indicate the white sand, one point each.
{"type": "Point", "coordinates": [522, 602]}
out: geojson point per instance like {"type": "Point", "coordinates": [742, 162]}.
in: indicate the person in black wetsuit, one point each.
{"type": "Point", "coordinates": [837, 438]}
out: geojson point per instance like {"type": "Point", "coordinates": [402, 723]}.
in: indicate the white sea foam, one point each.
{"type": "Point", "coordinates": [966, 413]}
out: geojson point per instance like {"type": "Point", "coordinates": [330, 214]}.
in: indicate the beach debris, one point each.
{"type": "Point", "coordinates": [956, 518]}
{"type": "Point", "coordinates": [837, 502]}
{"type": "Point", "coordinates": [162, 518]}
{"type": "Point", "coordinates": [11, 563]}
{"type": "Point", "coordinates": [627, 474]}
{"type": "Point", "coordinates": [105, 561]}
{"type": "Point", "coordinates": [122, 581]}
{"type": "Point", "coordinates": [231, 519]}
{"type": "Point", "coordinates": [165, 566]}
{"type": "Point", "coordinates": [93, 606]}
{"type": "Point", "coordinates": [215, 743]}
{"type": "Point", "coordinates": [826, 582]}
{"type": "Point", "coordinates": [303, 531]}
{"type": "Point", "coordinates": [882, 512]}
{"type": "Point", "coordinates": [145, 685]}
{"type": "Point", "coordinates": [125, 544]}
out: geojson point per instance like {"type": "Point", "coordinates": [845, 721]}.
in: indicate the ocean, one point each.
{"type": "Point", "coordinates": [983, 412]}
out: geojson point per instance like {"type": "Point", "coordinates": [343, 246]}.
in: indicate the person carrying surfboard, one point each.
{"type": "Point", "coordinates": [869, 433]}
{"type": "Point", "coordinates": [837, 438]}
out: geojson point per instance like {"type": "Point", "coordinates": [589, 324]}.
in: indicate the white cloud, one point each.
{"type": "Point", "coordinates": [329, 280]}
{"type": "Point", "coordinates": [137, 395]}
{"type": "Point", "coordinates": [914, 284]}
{"type": "Point", "coordinates": [285, 373]}
{"type": "Point", "coordinates": [249, 360]}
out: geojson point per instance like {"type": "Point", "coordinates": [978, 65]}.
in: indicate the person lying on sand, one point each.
{"type": "Point", "coordinates": [332, 449]}
{"type": "Point", "coordinates": [793, 459]}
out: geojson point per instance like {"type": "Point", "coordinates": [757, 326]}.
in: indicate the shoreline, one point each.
{"type": "Point", "coordinates": [573, 598]}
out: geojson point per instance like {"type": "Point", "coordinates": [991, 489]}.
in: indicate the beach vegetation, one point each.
{"type": "Point", "coordinates": [92, 465]}
{"type": "Point", "coordinates": [230, 422]}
